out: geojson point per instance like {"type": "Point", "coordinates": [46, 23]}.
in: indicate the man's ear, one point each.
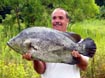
{"type": "Point", "coordinates": [68, 20]}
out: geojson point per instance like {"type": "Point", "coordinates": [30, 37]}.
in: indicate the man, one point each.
{"type": "Point", "coordinates": [60, 22]}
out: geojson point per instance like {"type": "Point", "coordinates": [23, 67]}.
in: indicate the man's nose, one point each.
{"type": "Point", "coordinates": [57, 20]}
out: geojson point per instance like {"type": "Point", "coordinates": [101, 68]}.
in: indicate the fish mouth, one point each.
{"type": "Point", "coordinates": [15, 49]}
{"type": "Point", "coordinates": [10, 46]}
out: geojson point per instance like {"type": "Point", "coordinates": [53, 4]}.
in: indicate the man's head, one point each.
{"type": "Point", "coordinates": [60, 19]}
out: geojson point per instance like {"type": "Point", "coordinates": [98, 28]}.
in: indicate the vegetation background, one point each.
{"type": "Point", "coordinates": [87, 19]}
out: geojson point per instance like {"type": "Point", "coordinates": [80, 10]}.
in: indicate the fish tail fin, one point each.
{"type": "Point", "coordinates": [90, 47]}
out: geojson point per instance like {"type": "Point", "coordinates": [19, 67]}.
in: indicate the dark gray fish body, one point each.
{"type": "Point", "coordinates": [50, 45]}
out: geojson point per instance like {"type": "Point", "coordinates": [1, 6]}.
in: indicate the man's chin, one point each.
{"type": "Point", "coordinates": [57, 28]}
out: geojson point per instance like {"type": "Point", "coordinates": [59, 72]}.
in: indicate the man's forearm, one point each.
{"type": "Point", "coordinates": [39, 66]}
{"type": "Point", "coordinates": [83, 63]}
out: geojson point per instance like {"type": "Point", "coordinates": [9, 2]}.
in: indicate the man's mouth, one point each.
{"type": "Point", "coordinates": [58, 24]}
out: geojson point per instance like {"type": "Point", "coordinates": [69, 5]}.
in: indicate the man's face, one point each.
{"type": "Point", "coordinates": [59, 20]}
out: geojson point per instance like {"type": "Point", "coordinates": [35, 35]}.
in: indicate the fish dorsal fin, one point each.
{"type": "Point", "coordinates": [75, 37]}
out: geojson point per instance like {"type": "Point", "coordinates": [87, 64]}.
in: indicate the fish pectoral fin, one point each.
{"type": "Point", "coordinates": [75, 37]}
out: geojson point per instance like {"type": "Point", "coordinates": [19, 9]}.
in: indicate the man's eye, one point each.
{"type": "Point", "coordinates": [54, 17]}
{"type": "Point", "coordinates": [60, 17]}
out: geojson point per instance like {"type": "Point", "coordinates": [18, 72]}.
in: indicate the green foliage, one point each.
{"type": "Point", "coordinates": [14, 70]}
{"type": "Point", "coordinates": [85, 9]}
{"type": "Point", "coordinates": [31, 12]}
{"type": "Point", "coordinates": [102, 12]}
{"type": "Point", "coordinates": [37, 12]}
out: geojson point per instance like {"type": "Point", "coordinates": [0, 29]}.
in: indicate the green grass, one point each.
{"type": "Point", "coordinates": [13, 66]}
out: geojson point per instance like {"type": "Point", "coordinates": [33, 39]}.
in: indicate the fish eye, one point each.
{"type": "Point", "coordinates": [13, 39]}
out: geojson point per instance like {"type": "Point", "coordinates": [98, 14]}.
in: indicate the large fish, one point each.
{"type": "Point", "coordinates": [51, 45]}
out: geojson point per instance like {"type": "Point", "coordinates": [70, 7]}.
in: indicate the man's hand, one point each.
{"type": "Point", "coordinates": [76, 54]}
{"type": "Point", "coordinates": [39, 66]}
{"type": "Point", "coordinates": [27, 56]}
{"type": "Point", "coordinates": [83, 62]}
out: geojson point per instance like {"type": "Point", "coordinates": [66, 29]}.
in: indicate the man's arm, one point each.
{"type": "Point", "coordinates": [83, 61]}
{"type": "Point", "coordinates": [39, 66]}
